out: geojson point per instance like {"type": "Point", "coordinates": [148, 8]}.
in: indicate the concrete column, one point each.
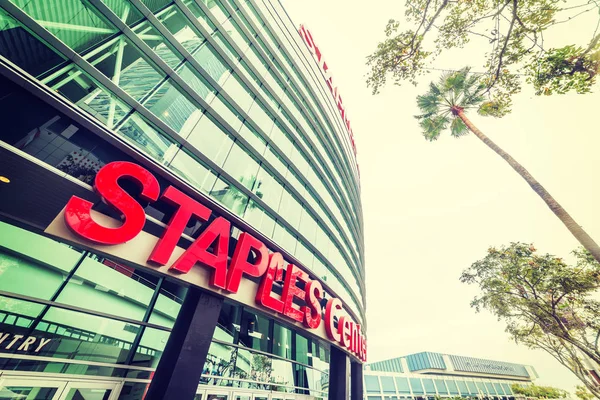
{"type": "Point", "coordinates": [178, 373]}
{"type": "Point", "coordinates": [339, 374]}
{"type": "Point", "coordinates": [356, 391]}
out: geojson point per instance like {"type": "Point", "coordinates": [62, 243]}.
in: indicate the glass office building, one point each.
{"type": "Point", "coordinates": [218, 98]}
{"type": "Point", "coordinates": [428, 375]}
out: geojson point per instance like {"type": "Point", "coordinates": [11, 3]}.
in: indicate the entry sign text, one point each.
{"type": "Point", "coordinates": [307, 36]}
{"type": "Point", "coordinates": [225, 275]}
{"type": "Point", "coordinates": [9, 341]}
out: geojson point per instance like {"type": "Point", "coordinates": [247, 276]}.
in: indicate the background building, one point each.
{"type": "Point", "coordinates": [220, 99]}
{"type": "Point", "coordinates": [426, 375]}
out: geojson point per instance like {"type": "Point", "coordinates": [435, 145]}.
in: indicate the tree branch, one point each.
{"type": "Point", "coordinates": [501, 54]}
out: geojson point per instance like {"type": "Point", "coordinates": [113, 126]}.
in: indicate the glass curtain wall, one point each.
{"type": "Point", "coordinates": [60, 302]}
{"type": "Point", "coordinates": [181, 91]}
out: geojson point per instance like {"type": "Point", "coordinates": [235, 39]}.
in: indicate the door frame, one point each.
{"type": "Point", "coordinates": [63, 385]}
{"type": "Point", "coordinates": [114, 387]}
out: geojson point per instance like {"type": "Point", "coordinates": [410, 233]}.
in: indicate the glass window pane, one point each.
{"type": "Point", "coordinates": [193, 171]}
{"type": "Point", "coordinates": [387, 384]}
{"type": "Point", "coordinates": [201, 17]}
{"type": "Point", "coordinates": [281, 139]}
{"type": "Point", "coordinates": [440, 386]}
{"type": "Point", "coordinates": [224, 45]}
{"type": "Point", "coordinates": [268, 189]}
{"type": "Point", "coordinates": [282, 341]}
{"type": "Point", "coordinates": [173, 108]}
{"type": "Point", "coordinates": [102, 285]}
{"type": "Point", "coordinates": [86, 93]}
{"type": "Point", "coordinates": [151, 347]}
{"type": "Point", "coordinates": [241, 166]}
{"type": "Point", "coordinates": [38, 58]}
{"type": "Point", "coordinates": [82, 336]}
{"type": "Point", "coordinates": [229, 196]}
{"type": "Point", "coordinates": [219, 362]}
{"type": "Point", "coordinates": [69, 21]}
{"type": "Point", "coordinates": [228, 326]}
{"type": "Point", "coordinates": [284, 238]}
{"type": "Point", "coordinates": [125, 10]}
{"type": "Point", "coordinates": [261, 117]}
{"type": "Point", "coordinates": [254, 331]}
{"type": "Point", "coordinates": [211, 140]}
{"type": "Point", "coordinates": [372, 384]}
{"type": "Point", "coordinates": [239, 92]}
{"type": "Point", "coordinates": [415, 384]}
{"type": "Point", "coordinates": [253, 137]}
{"type": "Point", "coordinates": [223, 109]}
{"type": "Point", "coordinates": [56, 260]}
{"type": "Point", "coordinates": [179, 27]}
{"type": "Point", "coordinates": [123, 63]}
{"type": "Point", "coordinates": [199, 84]}
{"type": "Point", "coordinates": [274, 159]}
{"type": "Point", "coordinates": [211, 62]}
{"type": "Point", "coordinates": [168, 304]}
{"type": "Point", "coordinates": [472, 387]}
{"type": "Point", "coordinates": [137, 131]}
{"type": "Point", "coordinates": [452, 388]}
{"type": "Point", "coordinates": [259, 219]}
{"type": "Point", "coordinates": [157, 42]}
{"type": "Point", "coordinates": [290, 209]}
{"type": "Point", "coordinates": [402, 384]}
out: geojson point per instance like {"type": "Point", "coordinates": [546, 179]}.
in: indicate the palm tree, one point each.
{"type": "Point", "coordinates": [444, 106]}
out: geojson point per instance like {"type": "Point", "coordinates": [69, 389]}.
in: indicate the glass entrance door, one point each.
{"type": "Point", "coordinates": [28, 388]}
{"type": "Point", "coordinates": [90, 391]}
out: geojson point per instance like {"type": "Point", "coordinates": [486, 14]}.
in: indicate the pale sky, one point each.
{"type": "Point", "coordinates": [432, 209]}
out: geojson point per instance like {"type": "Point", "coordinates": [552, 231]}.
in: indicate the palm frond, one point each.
{"type": "Point", "coordinates": [423, 116]}
{"type": "Point", "coordinates": [433, 127]}
{"type": "Point", "coordinates": [434, 89]}
{"type": "Point", "coordinates": [458, 128]}
{"type": "Point", "coordinates": [428, 103]}
{"type": "Point", "coordinates": [455, 88]}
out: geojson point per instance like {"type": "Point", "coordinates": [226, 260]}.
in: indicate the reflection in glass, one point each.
{"type": "Point", "coordinates": [148, 139]}
{"type": "Point", "coordinates": [14, 38]}
{"type": "Point", "coordinates": [210, 139]}
{"type": "Point", "coordinates": [254, 331]}
{"type": "Point", "coordinates": [193, 171]}
{"type": "Point", "coordinates": [230, 196]}
{"type": "Point", "coordinates": [88, 394]}
{"type": "Point", "coordinates": [29, 393]}
{"type": "Point", "coordinates": [72, 21]}
{"type": "Point", "coordinates": [103, 285]}
{"type": "Point", "coordinates": [282, 341]}
{"type": "Point", "coordinates": [151, 348]}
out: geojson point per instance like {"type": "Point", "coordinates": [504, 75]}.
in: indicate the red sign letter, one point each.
{"type": "Point", "coordinates": [263, 295]}
{"type": "Point", "coordinates": [312, 311]}
{"type": "Point", "coordinates": [345, 331]}
{"type": "Point", "coordinates": [333, 307]}
{"type": "Point", "coordinates": [187, 206]}
{"type": "Point", "coordinates": [77, 211]}
{"type": "Point", "coordinates": [240, 264]}
{"type": "Point", "coordinates": [290, 290]}
{"type": "Point", "coordinates": [198, 251]}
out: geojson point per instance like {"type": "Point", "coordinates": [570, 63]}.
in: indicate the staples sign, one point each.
{"type": "Point", "coordinates": [314, 49]}
{"type": "Point", "coordinates": [250, 257]}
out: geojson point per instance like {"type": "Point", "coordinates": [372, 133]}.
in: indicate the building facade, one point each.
{"type": "Point", "coordinates": [427, 375]}
{"type": "Point", "coordinates": [180, 211]}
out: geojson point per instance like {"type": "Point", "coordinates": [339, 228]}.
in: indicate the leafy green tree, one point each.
{"type": "Point", "coordinates": [583, 394]}
{"type": "Point", "coordinates": [445, 105]}
{"type": "Point", "coordinates": [545, 303]}
{"type": "Point", "coordinates": [512, 30]}
{"type": "Point", "coordinates": [541, 392]}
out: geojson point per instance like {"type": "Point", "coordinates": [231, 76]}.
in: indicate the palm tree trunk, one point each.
{"type": "Point", "coordinates": [586, 241]}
